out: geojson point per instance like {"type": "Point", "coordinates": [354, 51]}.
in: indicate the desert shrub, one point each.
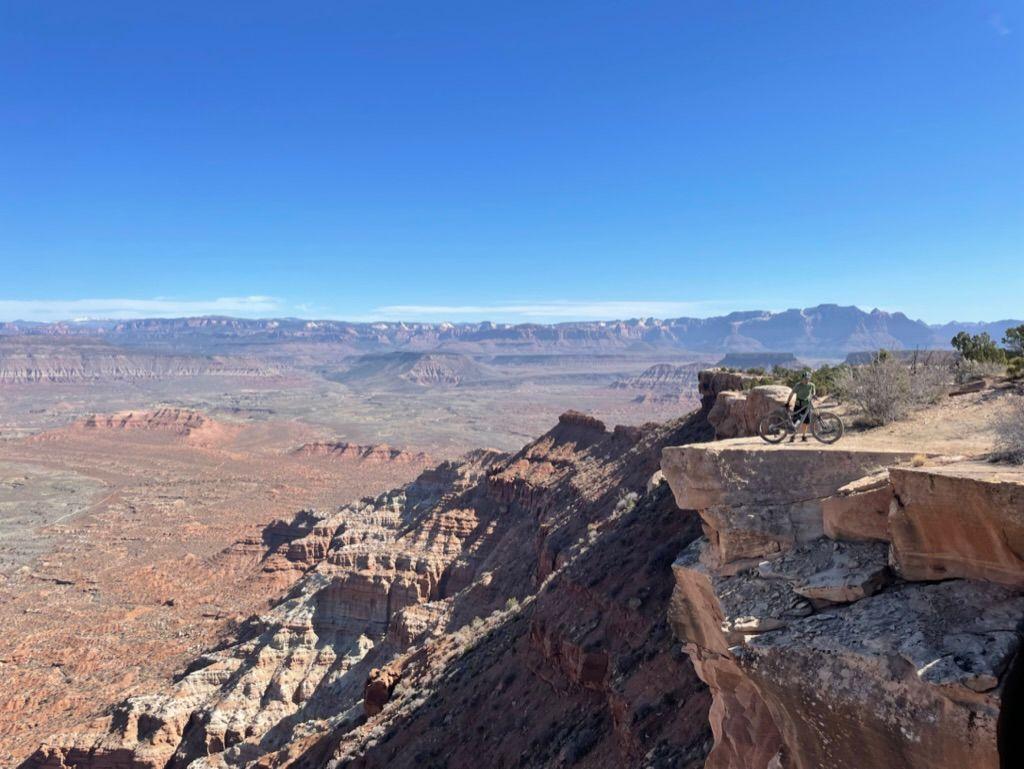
{"type": "Point", "coordinates": [929, 383]}
{"type": "Point", "coordinates": [1016, 368]}
{"type": "Point", "coordinates": [1010, 432]}
{"type": "Point", "coordinates": [824, 377]}
{"type": "Point", "coordinates": [627, 502]}
{"type": "Point", "coordinates": [880, 390]}
{"type": "Point", "coordinates": [967, 370]}
{"type": "Point", "coordinates": [979, 347]}
{"type": "Point", "coordinates": [887, 389]}
{"type": "Point", "coordinates": [1013, 340]}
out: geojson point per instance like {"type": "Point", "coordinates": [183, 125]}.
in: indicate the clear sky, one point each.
{"type": "Point", "coordinates": [510, 160]}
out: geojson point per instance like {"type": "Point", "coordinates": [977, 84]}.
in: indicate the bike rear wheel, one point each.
{"type": "Point", "coordinates": [774, 427]}
{"type": "Point", "coordinates": [827, 428]}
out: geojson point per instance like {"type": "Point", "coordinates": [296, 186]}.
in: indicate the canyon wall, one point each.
{"type": "Point", "coordinates": [507, 607]}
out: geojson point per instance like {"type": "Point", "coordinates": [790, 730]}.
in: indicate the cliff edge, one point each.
{"type": "Point", "coordinates": [853, 606]}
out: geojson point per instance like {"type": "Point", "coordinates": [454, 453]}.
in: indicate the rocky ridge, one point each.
{"type": "Point", "coordinates": [662, 377]}
{"type": "Point", "coordinates": [352, 452]}
{"type": "Point", "coordinates": [31, 360]}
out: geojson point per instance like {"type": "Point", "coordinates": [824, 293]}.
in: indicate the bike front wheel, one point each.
{"type": "Point", "coordinates": [827, 428]}
{"type": "Point", "coordinates": [773, 427]}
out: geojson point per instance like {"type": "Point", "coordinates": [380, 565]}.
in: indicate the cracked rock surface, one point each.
{"type": "Point", "coordinates": [804, 611]}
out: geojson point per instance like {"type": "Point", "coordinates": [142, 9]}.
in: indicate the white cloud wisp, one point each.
{"type": "Point", "coordinates": [48, 310]}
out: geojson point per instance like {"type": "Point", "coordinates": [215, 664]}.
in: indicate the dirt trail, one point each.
{"type": "Point", "coordinates": [960, 425]}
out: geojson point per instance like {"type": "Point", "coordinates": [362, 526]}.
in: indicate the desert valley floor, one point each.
{"type": "Point", "coordinates": [133, 508]}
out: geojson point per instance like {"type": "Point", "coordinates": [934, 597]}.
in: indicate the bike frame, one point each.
{"type": "Point", "coordinates": [791, 417]}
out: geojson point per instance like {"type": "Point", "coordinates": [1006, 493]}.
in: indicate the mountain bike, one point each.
{"type": "Point", "coordinates": [825, 426]}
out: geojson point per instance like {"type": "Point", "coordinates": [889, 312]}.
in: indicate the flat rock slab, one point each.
{"type": "Point", "coordinates": [745, 472]}
{"type": "Point", "coordinates": [756, 499]}
{"type": "Point", "coordinates": [832, 572]}
{"type": "Point", "coordinates": [959, 520]}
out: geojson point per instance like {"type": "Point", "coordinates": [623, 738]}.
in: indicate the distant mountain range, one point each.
{"type": "Point", "coordinates": [825, 331]}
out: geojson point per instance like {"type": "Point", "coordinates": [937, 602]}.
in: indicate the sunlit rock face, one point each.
{"type": "Point", "coordinates": [964, 520]}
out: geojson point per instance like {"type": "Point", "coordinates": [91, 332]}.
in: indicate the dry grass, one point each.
{"type": "Point", "coordinates": [973, 370]}
{"type": "Point", "coordinates": [887, 390]}
{"type": "Point", "coordinates": [1010, 432]}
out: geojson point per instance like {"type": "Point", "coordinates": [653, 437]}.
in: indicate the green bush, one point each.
{"type": "Point", "coordinates": [1013, 339]}
{"type": "Point", "coordinates": [978, 347]}
{"type": "Point", "coordinates": [1016, 368]}
{"type": "Point", "coordinates": [824, 377]}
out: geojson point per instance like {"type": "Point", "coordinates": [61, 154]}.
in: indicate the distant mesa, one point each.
{"type": "Point", "coordinates": [424, 369]}
{"type": "Point", "coordinates": [173, 420]}
{"type": "Point", "coordinates": [924, 356]}
{"type": "Point", "coordinates": [765, 360]}
{"type": "Point", "coordinates": [33, 358]}
{"type": "Point", "coordinates": [193, 427]}
{"type": "Point", "coordinates": [662, 376]}
{"type": "Point", "coordinates": [351, 452]}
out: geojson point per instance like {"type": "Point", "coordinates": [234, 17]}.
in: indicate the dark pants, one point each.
{"type": "Point", "coordinates": [802, 413]}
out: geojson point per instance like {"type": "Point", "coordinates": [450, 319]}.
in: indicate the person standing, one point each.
{"type": "Point", "coordinates": [803, 391]}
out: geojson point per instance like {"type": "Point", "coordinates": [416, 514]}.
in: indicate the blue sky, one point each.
{"type": "Point", "coordinates": [510, 160]}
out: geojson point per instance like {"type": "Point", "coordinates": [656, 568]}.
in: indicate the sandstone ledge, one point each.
{"type": "Point", "coordinates": [756, 499]}
{"type": "Point", "coordinates": [794, 612]}
{"type": "Point", "coordinates": [960, 520]}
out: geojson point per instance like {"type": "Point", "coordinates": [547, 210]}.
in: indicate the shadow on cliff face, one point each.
{"type": "Point", "coordinates": [1010, 729]}
{"type": "Point", "coordinates": [586, 673]}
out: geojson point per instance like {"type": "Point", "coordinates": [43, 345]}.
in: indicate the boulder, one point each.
{"type": "Point", "coordinates": [738, 414]}
{"type": "Point", "coordinates": [860, 509]}
{"type": "Point", "coordinates": [832, 572]}
{"type": "Point", "coordinates": [711, 382]}
{"type": "Point", "coordinates": [377, 690]}
{"type": "Point", "coordinates": [728, 415]}
{"type": "Point", "coordinates": [959, 520]}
